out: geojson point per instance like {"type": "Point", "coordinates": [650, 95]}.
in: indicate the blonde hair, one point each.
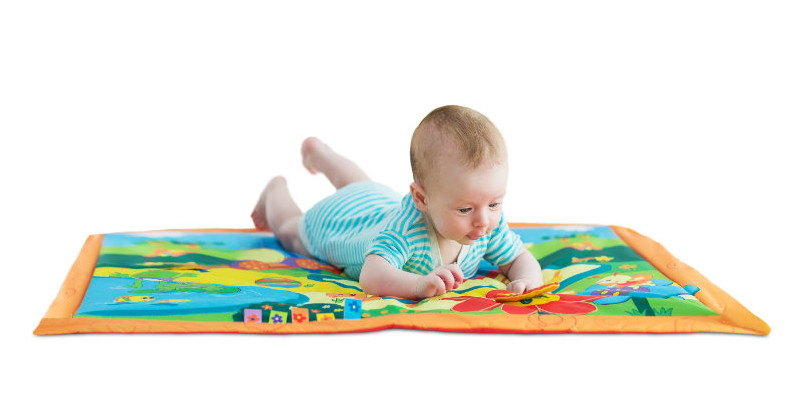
{"type": "Point", "coordinates": [472, 136]}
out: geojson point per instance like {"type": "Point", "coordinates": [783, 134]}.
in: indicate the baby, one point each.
{"type": "Point", "coordinates": [424, 243]}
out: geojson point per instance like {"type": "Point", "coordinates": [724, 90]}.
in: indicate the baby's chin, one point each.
{"type": "Point", "coordinates": [466, 241]}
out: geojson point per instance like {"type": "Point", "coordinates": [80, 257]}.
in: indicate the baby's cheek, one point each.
{"type": "Point", "coordinates": [457, 227]}
{"type": "Point", "coordinates": [495, 223]}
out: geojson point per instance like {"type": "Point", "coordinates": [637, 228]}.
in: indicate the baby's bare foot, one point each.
{"type": "Point", "coordinates": [311, 149]}
{"type": "Point", "coordinates": [259, 214]}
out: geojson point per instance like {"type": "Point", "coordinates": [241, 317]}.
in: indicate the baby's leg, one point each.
{"type": "Point", "coordinates": [277, 211]}
{"type": "Point", "coordinates": [341, 171]}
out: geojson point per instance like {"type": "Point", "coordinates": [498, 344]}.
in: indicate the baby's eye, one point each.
{"type": "Point", "coordinates": [494, 206]}
{"type": "Point", "coordinates": [464, 210]}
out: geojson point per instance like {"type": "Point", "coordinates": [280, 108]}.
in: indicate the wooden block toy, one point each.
{"type": "Point", "coordinates": [252, 315]}
{"type": "Point", "coordinates": [278, 317]}
{"type": "Point", "coordinates": [326, 316]}
{"type": "Point", "coordinates": [352, 309]}
{"type": "Point", "coordinates": [299, 315]}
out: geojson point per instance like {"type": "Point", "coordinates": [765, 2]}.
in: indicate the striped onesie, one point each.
{"type": "Point", "coordinates": [369, 218]}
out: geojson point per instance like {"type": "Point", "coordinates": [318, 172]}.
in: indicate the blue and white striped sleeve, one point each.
{"type": "Point", "coordinates": [392, 246]}
{"type": "Point", "coordinates": [504, 245]}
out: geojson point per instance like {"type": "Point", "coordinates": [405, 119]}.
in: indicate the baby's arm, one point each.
{"type": "Point", "coordinates": [379, 278]}
{"type": "Point", "coordinates": [524, 272]}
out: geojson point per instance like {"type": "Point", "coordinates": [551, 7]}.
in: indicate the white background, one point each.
{"type": "Point", "coordinates": [676, 119]}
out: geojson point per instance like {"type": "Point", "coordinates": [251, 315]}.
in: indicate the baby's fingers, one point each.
{"type": "Point", "coordinates": [430, 285]}
{"type": "Point", "coordinates": [458, 274]}
{"type": "Point", "coordinates": [447, 278]}
{"type": "Point", "coordinates": [517, 287]}
{"type": "Point", "coordinates": [440, 287]}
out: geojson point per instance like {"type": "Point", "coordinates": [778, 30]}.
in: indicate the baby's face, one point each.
{"type": "Point", "coordinates": [462, 203]}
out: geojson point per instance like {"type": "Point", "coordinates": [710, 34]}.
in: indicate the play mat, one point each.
{"type": "Point", "coordinates": [610, 279]}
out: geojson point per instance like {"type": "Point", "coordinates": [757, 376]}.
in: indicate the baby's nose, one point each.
{"type": "Point", "coordinates": [481, 219]}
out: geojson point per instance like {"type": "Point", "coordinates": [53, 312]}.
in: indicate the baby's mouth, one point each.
{"type": "Point", "coordinates": [474, 236]}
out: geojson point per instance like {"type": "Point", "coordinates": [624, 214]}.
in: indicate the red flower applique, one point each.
{"type": "Point", "coordinates": [550, 303]}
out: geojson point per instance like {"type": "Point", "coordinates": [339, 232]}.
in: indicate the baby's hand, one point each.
{"type": "Point", "coordinates": [524, 284]}
{"type": "Point", "coordinates": [439, 281]}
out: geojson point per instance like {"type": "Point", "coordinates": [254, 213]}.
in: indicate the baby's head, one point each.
{"type": "Point", "coordinates": [460, 168]}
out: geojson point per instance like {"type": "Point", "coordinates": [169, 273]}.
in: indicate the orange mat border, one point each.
{"type": "Point", "coordinates": [733, 318]}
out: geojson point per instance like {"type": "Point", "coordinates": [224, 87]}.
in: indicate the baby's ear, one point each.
{"type": "Point", "coordinates": [418, 195]}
